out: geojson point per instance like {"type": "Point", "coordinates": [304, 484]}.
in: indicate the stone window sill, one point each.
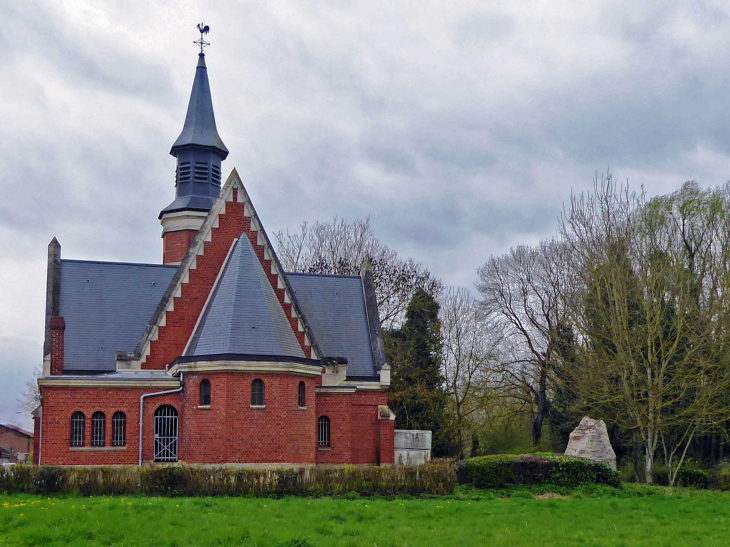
{"type": "Point", "coordinates": [96, 448]}
{"type": "Point", "coordinates": [204, 407]}
{"type": "Point", "coordinates": [258, 406]}
{"type": "Point", "coordinates": [324, 448]}
{"type": "Point", "coordinates": [302, 408]}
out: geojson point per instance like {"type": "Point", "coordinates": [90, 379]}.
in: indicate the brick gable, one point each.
{"type": "Point", "coordinates": [232, 217]}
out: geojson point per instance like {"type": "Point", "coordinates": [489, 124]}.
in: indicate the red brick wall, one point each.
{"type": "Point", "coordinates": [58, 327]}
{"type": "Point", "coordinates": [60, 402]}
{"type": "Point", "coordinates": [233, 432]}
{"type": "Point", "coordinates": [9, 438]}
{"type": "Point", "coordinates": [175, 245]}
{"type": "Point", "coordinates": [386, 442]}
{"type": "Point", "coordinates": [36, 439]}
{"type": "Point", "coordinates": [337, 407]}
{"type": "Point", "coordinates": [365, 425]}
{"type": "Point", "coordinates": [181, 321]}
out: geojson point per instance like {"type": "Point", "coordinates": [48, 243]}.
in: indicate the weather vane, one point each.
{"type": "Point", "coordinates": [204, 29]}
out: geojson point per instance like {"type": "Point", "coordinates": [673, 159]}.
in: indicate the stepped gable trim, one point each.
{"type": "Point", "coordinates": [278, 270]}
{"type": "Point", "coordinates": [204, 234]}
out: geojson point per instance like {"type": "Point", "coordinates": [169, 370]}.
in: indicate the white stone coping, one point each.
{"type": "Point", "coordinates": [268, 367]}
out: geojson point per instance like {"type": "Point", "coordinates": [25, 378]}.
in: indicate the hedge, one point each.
{"type": "Point", "coordinates": [429, 479]}
{"type": "Point", "coordinates": [506, 470]}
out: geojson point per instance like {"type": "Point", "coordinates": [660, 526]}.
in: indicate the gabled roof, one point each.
{"type": "Point", "coordinates": [334, 306]}
{"type": "Point", "coordinates": [17, 430]}
{"type": "Point", "coordinates": [106, 306]}
{"type": "Point", "coordinates": [243, 315]}
{"type": "Point", "coordinates": [241, 220]}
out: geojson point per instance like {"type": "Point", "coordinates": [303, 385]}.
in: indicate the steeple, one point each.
{"type": "Point", "coordinates": [199, 151]}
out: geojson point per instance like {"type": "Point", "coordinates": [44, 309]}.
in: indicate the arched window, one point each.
{"type": "Point", "coordinates": [119, 429]}
{"type": "Point", "coordinates": [166, 429]}
{"type": "Point", "coordinates": [78, 428]}
{"type": "Point", "coordinates": [98, 427]}
{"type": "Point", "coordinates": [205, 393]}
{"type": "Point", "coordinates": [302, 395]}
{"type": "Point", "coordinates": [257, 393]}
{"type": "Point", "coordinates": [323, 432]}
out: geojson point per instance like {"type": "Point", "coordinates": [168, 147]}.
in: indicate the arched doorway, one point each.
{"type": "Point", "coordinates": [166, 434]}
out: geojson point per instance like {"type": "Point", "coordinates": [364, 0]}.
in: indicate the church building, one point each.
{"type": "Point", "coordinates": [216, 355]}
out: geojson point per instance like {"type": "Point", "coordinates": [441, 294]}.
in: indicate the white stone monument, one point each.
{"type": "Point", "coordinates": [590, 441]}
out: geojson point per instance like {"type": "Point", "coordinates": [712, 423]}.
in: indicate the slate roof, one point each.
{"type": "Point", "coordinates": [200, 128]}
{"type": "Point", "coordinates": [106, 306]}
{"type": "Point", "coordinates": [334, 306]}
{"type": "Point", "coordinates": [244, 315]}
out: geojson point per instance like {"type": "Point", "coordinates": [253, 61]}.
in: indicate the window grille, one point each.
{"type": "Point", "coordinates": [119, 429]}
{"type": "Point", "coordinates": [78, 426]}
{"type": "Point", "coordinates": [98, 423]}
{"type": "Point", "coordinates": [323, 436]}
{"type": "Point", "coordinates": [166, 434]}
{"type": "Point", "coordinates": [257, 393]}
{"type": "Point", "coordinates": [205, 393]}
{"type": "Point", "coordinates": [302, 395]}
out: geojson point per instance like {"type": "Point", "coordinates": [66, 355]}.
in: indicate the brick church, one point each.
{"type": "Point", "coordinates": [217, 355]}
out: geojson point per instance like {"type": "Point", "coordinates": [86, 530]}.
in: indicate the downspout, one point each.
{"type": "Point", "coordinates": [40, 435]}
{"type": "Point", "coordinates": [141, 407]}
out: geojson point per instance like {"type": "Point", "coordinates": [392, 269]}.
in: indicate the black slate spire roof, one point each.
{"type": "Point", "coordinates": [199, 150]}
{"type": "Point", "coordinates": [200, 129]}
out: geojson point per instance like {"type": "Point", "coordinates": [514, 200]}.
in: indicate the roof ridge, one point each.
{"type": "Point", "coordinates": [313, 274]}
{"type": "Point", "coordinates": [114, 263]}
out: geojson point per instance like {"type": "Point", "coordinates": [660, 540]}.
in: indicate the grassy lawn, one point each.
{"type": "Point", "coordinates": [594, 516]}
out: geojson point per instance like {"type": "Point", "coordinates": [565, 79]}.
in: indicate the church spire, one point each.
{"type": "Point", "coordinates": [199, 151]}
{"type": "Point", "coordinates": [199, 129]}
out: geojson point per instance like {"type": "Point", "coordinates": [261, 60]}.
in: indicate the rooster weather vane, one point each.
{"type": "Point", "coordinates": [204, 29]}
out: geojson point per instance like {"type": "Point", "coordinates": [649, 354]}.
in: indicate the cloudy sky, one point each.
{"type": "Point", "coordinates": [460, 127]}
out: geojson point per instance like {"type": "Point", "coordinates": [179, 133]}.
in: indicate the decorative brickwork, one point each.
{"type": "Point", "coordinates": [231, 223]}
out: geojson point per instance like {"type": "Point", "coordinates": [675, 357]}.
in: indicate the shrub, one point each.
{"type": "Point", "coordinates": [177, 480]}
{"type": "Point", "coordinates": [690, 474]}
{"type": "Point", "coordinates": [723, 476]}
{"type": "Point", "coordinates": [506, 470]}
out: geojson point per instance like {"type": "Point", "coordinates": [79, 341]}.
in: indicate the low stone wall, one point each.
{"type": "Point", "coordinates": [412, 447]}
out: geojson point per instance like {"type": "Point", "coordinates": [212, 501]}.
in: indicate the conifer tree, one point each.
{"type": "Point", "coordinates": [417, 394]}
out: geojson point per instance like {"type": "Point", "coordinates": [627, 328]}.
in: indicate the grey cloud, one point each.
{"type": "Point", "coordinates": [459, 129]}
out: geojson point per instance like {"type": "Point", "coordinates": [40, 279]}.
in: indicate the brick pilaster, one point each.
{"type": "Point", "coordinates": [58, 327]}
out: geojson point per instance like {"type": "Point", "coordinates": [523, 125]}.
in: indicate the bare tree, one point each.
{"type": "Point", "coordinates": [523, 292]}
{"type": "Point", "coordinates": [339, 247]}
{"type": "Point", "coordinates": [470, 345]}
{"type": "Point", "coordinates": [31, 396]}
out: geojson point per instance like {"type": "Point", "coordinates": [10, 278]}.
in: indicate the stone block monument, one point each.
{"type": "Point", "coordinates": [590, 441]}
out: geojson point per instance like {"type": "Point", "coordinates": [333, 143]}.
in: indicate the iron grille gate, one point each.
{"type": "Point", "coordinates": [166, 434]}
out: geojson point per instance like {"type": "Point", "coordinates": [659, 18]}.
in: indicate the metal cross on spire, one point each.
{"type": "Point", "coordinates": [204, 29]}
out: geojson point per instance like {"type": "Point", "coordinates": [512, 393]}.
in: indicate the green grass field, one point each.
{"type": "Point", "coordinates": [591, 516]}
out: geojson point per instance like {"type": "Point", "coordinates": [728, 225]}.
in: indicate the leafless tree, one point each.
{"type": "Point", "coordinates": [470, 346]}
{"type": "Point", "coordinates": [339, 247]}
{"type": "Point", "coordinates": [524, 293]}
{"type": "Point", "coordinates": [30, 398]}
